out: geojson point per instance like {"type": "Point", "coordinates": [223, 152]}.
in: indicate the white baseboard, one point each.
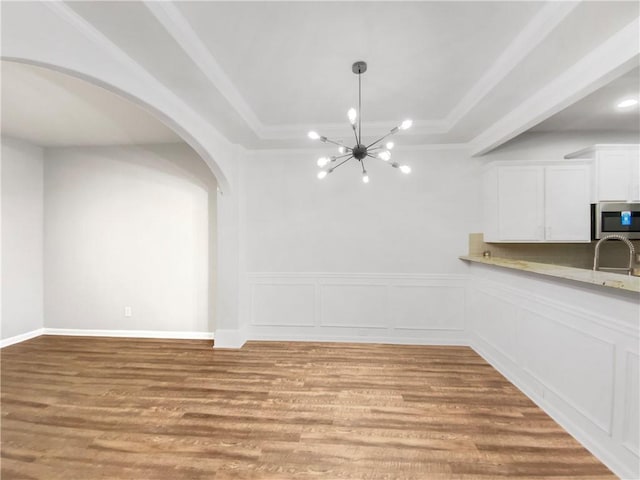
{"type": "Point", "coordinates": [235, 338]}
{"type": "Point", "coordinates": [21, 338]}
{"type": "Point", "coordinates": [457, 339]}
{"type": "Point", "coordinates": [130, 333]}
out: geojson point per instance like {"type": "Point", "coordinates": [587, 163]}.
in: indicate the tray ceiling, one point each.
{"type": "Point", "coordinates": [264, 73]}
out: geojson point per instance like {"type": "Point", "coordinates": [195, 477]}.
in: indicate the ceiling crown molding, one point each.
{"type": "Point", "coordinates": [183, 33]}
{"type": "Point", "coordinates": [95, 36]}
{"type": "Point", "coordinates": [90, 32]}
{"type": "Point", "coordinates": [176, 25]}
{"type": "Point", "coordinates": [542, 24]}
{"type": "Point", "coordinates": [179, 28]}
{"type": "Point", "coordinates": [102, 41]}
{"type": "Point", "coordinates": [338, 130]}
{"type": "Point", "coordinates": [615, 57]}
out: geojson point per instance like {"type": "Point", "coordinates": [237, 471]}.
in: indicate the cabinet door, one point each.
{"type": "Point", "coordinates": [614, 176]}
{"type": "Point", "coordinates": [567, 209]}
{"type": "Point", "coordinates": [490, 206]}
{"type": "Point", "coordinates": [635, 176]}
{"type": "Point", "coordinates": [521, 203]}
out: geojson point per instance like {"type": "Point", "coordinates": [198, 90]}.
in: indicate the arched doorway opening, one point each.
{"type": "Point", "coordinates": [206, 152]}
{"type": "Point", "coordinates": [129, 230]}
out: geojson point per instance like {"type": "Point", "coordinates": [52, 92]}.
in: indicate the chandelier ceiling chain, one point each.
{"type": "Point", "coordinates": [360, 151]}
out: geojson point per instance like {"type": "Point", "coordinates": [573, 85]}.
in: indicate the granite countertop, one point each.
{"type": "Point", "coordinates": [604, 279]}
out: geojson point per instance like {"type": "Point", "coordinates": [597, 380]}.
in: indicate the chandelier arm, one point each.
{"type": "Point", "coordinates": [341, 156]}
{"type": "Point", "coordinates": [355, 134]}
{"type": "Point", "coordinates": [388, 163]}
{"type": "Point", "coordinates": [325, 139]}
{"type": "Point", "coordinates": [342, 162]}
{"type": "Point", "coordinates": [362, 165]}
{"type": "Point", "coordinates": [382, 138]}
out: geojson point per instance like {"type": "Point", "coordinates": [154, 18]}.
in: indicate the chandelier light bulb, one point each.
{"type": "Point", "coordinates": [365, 177]}
{"type": "Point", "coordinates": [385, 155]}
{"type": "Point", "coordinates": [322, 174]}
{"type": "Point", "coordinates": [406, 124]}
{"type": "Point", "coordinates": [405, 168]}
{"type": "Point", "coordinates": [352, 114]}
{"type": "Point", "coordinates": [389, 145]}
{"type": "Point", "coordinates": [322, 161]}
{"type": "Point", "coordinates": [313, 135]}
{"type": "Point", "coordinates": [341, 149]}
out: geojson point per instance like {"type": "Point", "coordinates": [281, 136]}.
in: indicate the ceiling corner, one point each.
{"type": "Point", "coordinates": [611, 59]}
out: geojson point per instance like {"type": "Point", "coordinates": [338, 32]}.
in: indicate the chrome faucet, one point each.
{"type": "Point", "coordinates": [614, 236]}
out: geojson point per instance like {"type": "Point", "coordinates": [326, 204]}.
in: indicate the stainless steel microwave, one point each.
{"type": "Point", "coordinates": [619, 218]}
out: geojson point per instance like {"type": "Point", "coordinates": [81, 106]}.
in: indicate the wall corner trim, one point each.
{"type": "Point", "coordinates": [227, 338]}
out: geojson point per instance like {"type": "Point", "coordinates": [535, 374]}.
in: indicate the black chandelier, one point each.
{"type": "Point", "coordinates": [360, 151]}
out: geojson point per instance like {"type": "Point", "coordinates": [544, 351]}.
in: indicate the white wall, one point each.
{"type": "Point", "coordinates": [129, 226]}
{"type": "Point", "coordinates": [338, 259]}
{"type": "Point", "coordinates": [416, 223]}
{"type": "Point", "coordinates": [22, 218]}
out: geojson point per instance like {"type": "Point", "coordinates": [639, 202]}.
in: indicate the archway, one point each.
{"type": "Point", "coordinates": [157, 111]}
{"type": "Point", "coordinates": [203, 152]}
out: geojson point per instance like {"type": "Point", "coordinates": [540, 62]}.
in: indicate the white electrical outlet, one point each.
{"type": "Point", "coordinates": [127, 311]}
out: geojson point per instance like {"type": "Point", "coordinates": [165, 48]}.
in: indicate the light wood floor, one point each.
{"type": "Point", "coordinates": [107, 408]}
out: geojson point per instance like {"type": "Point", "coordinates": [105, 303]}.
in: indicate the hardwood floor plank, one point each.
{"type": "Point", "coordinates": [116, 408]}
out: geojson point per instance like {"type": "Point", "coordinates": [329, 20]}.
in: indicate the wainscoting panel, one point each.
{"type": "Point", "coordinates": [291, 304]}
{"type": "Point", "coordinates": [394, 308]}
{"type": "Point", "coordinates": [413, 306]}
{"type": "Point", "coordinates": [349, 305]}
{"type": "Point", "coordinates": [581, 367]}
{"type": "Point", "coordinates": [631, 419]}
{"type": "Point", "coordinates": [583, 378]}
{"type": "Point", "coordinates": [496, 322]}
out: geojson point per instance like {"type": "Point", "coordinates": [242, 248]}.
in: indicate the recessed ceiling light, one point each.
{"type": "Point", "coordinates": [629, 102]}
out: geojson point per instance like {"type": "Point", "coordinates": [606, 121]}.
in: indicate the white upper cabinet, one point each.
{"type": "Point", "coordinates": [616, 172]}
{"type": "Point", "coordinates": [520, 203]}
{"type": "Point", "coordinates": [612, 176]}
{"type": "Point", "coordinates": [537, 203]}
{"type": "Point", "coordinates": [567, 211]}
